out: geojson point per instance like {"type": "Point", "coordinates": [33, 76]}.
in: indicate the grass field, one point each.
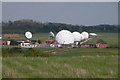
{"type": "Point", "coordinates": [61, 67]}
{"type": "Point", "coordinates": [110, 38]}
{"type": "Point", "coordinates": [66, 63]}
{"type": "Point", "coordinates": [0, 62]}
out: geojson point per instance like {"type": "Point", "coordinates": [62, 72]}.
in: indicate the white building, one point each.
{"type": "Point", "coordinates": [28, 45]}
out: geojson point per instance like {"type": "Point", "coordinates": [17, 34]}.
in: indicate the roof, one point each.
{"type": "Point", "coordinates": [11, 35]}
{"type": "Point", "coordinates": [49, 40]}
{"type": "Point", "coordinates": [55, 43]}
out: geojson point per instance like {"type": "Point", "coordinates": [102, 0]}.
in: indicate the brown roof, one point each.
{"type": "Point", "coordinates": [49, 40]}
{"type": "Point", "coordinates": [11, 35]}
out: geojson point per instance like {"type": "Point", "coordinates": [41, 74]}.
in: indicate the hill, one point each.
{"type": "Point", "coordinates": [20, 26]}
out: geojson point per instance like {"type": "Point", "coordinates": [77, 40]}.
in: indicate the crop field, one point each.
{"type": "Point", "coordinates": [66, 63]}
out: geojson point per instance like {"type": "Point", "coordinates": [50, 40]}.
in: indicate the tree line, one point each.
{"type": "Point", "coordinates": [21, 26]}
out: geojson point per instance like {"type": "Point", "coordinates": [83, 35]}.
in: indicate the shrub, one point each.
{"type": "Point", "coordinates": [39, 41]}
{"type": "Point", "coordinates": [5, 52]}
{"type": "Point", "coordinates": [32, 52]}
{"type": "Point", "coordinates": [13, 42]}
{"type": "Point", "coordinates": [101, 41]}
{"type": "Point", "coordinates": [15, 50]}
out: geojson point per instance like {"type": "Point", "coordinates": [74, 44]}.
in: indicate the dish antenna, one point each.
{"type": "Point", "coordinates": [51, 34]}
{"type": "Point", "coordinates": [28, 35]}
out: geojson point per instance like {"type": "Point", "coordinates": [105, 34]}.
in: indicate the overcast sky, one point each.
{"type": "Point", "coordinates": [87, 13]}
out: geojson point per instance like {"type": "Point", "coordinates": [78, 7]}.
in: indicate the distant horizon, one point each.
{"type": "Point", "coordinates": [75, 13]}
{"type": "Point", "coordinates": [59, 22]}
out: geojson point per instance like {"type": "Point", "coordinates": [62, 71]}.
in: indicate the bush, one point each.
{"type": "Point", "coordinates": [15, 50]}
{"type": "Point", "coordinates": [7, 52]}
{"type": "Point", "coordinates": [13, 42]}
{"type": "Point", "coordinates": [32, 52]}
{"type": "Point", "coordinates": [39, 41]}
{"type": "Point", "coordinates": [101, 41]}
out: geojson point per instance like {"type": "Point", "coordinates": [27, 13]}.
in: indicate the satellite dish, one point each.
{"type": "Point", "coordinates": [77, 36]}
{"type": "Point", "coordinates": [85, 34]}
{"type": "Point", "coordinates": [82, 37]}
{"type": "Point", "coordinates": [64, 37]}
{"type": "Point", "coordinates": [51, 34]}
{"type": "Point", "coordinates": [28, 35]}
{"type": "Point", "coordinates": [93, 34]}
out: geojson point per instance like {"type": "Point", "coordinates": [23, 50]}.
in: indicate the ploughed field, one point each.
{"type": "Point", "coordinates": [65, 63]}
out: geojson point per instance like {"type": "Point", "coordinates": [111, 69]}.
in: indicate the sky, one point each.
{"type": "Point", "coordinates": [60, 0]}
{"type": "Point", "coordinates": [80, 13]}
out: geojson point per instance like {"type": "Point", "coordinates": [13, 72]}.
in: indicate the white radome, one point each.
{"type": "Point", "coordinates": [85, 34]}
{"type": "Point", "coordinates": [64, 37]}
{"type": "Point", "coordinates": [28, 35]}
{"type": "Point", "coordinates": [93, 34]}
{"type": "Point", "coordinates": [82, 37]}
{"type": "Point", "coordinates": [77, 36]}
{"type": "Point", "coordinates": [51, 34]}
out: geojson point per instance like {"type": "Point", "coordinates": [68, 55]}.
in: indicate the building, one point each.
{"type": "Point", "coordinates": [49, 41]}
{"type": "Point", "coordinates": [11, 35]}
{"type": "Point", "coordinates": [6, 43]}
{"type": "Point", "coordinates": [85, 46]}
{"type": "Point", "coordinates": [101, 45]}
{"type": "Point", "coordinates": [28, 45]}
{"type": "Point", "coordinates": [55, 44]}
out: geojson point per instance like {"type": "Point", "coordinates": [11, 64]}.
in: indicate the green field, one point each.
{"type": "Point", "coordinates": [0, 63]}
{"type": "Point", "coordinates": [110, 38]}
{"type": "Point", "coordinates": [66, 63]}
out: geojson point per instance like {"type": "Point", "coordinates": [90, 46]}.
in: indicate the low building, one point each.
{"type": "Point", "coordinates": [6, 43]}
{"type": "Point", "coordinates": [11, 35]}
{"type": "Point", "coordinates": [55, 44]}
{"type": "Point", "coordinates": [49, 41]}
{"type": "Point", "coordinates": [92, 45]}
{"type": "Point", "coordinates": [85, 46]}
{"type": "Point", "coordinates": [101, 45]}
{"type": "Point", "coordinates": [28, 45]}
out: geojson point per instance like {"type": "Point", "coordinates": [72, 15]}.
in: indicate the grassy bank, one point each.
{"type": "Point", "coordinates": [57, 67]}
{"type": "Point", "coordinates": [66, 63]}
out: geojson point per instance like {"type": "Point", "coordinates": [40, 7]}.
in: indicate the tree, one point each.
{"type": "Point", "coordinates": [13, 42]}
{"type": "Point", "coordinates": [39, 41]}
{"type": "Point", "coordinates": [21, 26]}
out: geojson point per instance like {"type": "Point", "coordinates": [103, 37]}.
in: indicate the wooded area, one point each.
{"type": "Point", "coordinates": [20, 26]}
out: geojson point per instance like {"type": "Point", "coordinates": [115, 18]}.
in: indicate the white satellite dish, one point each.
{"type": "Point", "coordinates": [77, 36]}
{"type": "Point", "coordinates": [85, 34]}
{"type": "Point", "coordinates": [28, 35]}
{"type": "Point", "coordinates": [51, 34]}
{"type": "Point", "coordinates": [64, 37]}
{"type": "Point", "coordinates": [82, 37]}
{"type": "Point", "coordinates": [92, 34]}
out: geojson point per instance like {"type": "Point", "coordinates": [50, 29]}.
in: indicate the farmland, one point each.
{"type": "Point", "coordinates": [66, 63]}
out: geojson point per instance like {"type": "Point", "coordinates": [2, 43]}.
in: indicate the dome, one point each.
{"type": "Point", "coordinates": [64, 37]}
{"type": "Point", "coordinates": [85, 34]}
{"type": "Point", "coordinates": [93, 34]}
{"type": "Point", "coordinates": [77, 36]}
{"type": "Point", "coordinates": [82, 37]}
